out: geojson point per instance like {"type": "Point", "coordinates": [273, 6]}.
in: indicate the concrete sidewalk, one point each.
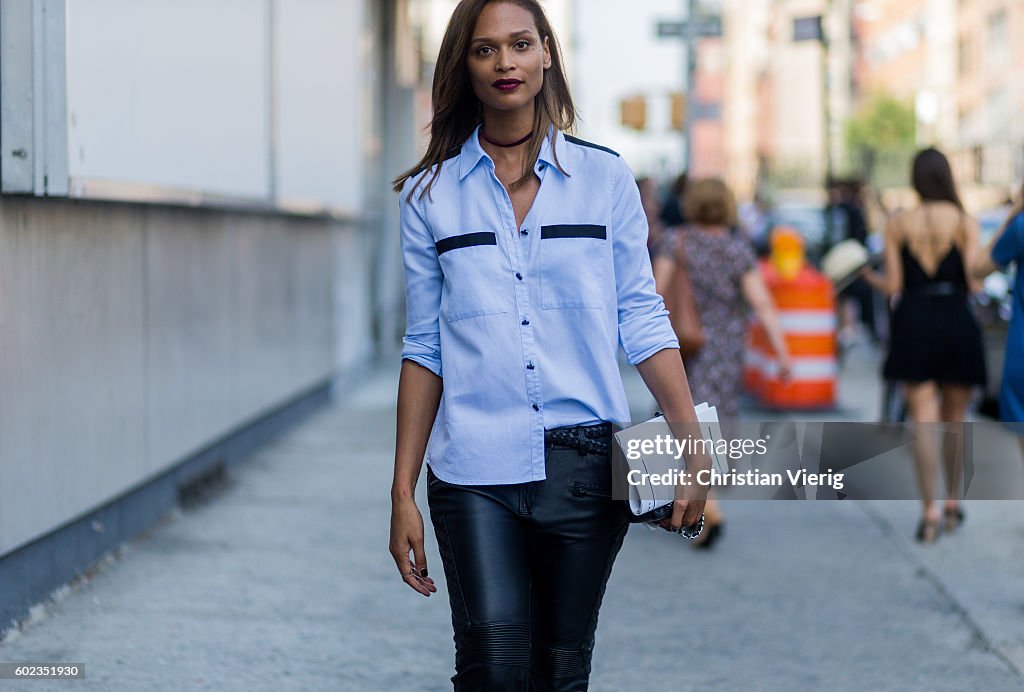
{"type": "Point", "coordinates": [283, 582]}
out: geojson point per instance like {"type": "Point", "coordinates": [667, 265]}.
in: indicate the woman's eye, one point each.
{"type": "Point", "coordinates": [523, 45]}
{"type": "Point", "coordinates": [484, 50]}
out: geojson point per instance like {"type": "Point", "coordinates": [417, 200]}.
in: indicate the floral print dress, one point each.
{"type": "Point", "coordinates": [717, 262]}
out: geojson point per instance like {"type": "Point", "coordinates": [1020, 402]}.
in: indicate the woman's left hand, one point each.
{"type": "Point", "coordinates": [687, 507]}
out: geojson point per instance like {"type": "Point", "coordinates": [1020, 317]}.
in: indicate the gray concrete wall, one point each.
{"type": "Point", "coordinates": [132, 336]}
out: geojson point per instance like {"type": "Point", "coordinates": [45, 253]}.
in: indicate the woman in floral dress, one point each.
{"type": "Point", "coordinates": [726, 282]}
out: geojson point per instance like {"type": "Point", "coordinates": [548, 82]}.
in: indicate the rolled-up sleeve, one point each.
{"type": "Point", "coordinates": [1010, 246]}
{"type": "Point", "coordinates": [644, 327]}
{"type": "Point", "coordinates": [422, 340]}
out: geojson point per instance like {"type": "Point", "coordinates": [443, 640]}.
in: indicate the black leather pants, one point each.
{"type": "Point", "coordinates": [526, 567]}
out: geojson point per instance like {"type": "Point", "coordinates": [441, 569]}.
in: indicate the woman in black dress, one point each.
{"type": "Point", "coordinates": [935, 346]}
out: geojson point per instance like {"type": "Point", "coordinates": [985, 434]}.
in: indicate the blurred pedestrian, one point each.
{"type": "Point", "coordinates": [756, 221]}
{"type": "Point", "coordinates": [649, 198]}
{"type": "Point", "coordinates": [846, 204]}
{"type": "Point", "coordinates": [726, 280]}
{"type": "Point", "coordinates": [935, 346]}
{"type": "Point", "coordinates": [672, 213]}
{"type": "Point", "coordinates": [526, 268]}
{"type": "Point", "coordinates": [1007, 247]}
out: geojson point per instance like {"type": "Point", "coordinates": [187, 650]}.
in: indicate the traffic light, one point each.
{"type": "Point", "coordinates": [633, 112]}
{"type": "Point", "coordinates": [678, 111]}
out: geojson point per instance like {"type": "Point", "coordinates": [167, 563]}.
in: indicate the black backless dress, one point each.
{"type": "Point", "coordinates": [934, 335]}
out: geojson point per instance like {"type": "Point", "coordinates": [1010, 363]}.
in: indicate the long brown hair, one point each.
{"type": "Point", "coordinates": [456, 108]}
{"type": "Point", "coordinates": [933, 178]}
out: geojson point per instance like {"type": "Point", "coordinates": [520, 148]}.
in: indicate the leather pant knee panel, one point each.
{"type": "Point", "coordinates": [496, 643]}
{"type": "Point", "coordinates": [561, 663]}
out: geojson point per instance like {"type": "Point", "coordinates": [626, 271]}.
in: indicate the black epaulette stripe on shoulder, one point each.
{"type": "Point", "coordinates": [584, 143]}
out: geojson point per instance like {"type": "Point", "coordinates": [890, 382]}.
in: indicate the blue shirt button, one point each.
{"type": "Point", "coordinates": [526, 323]}
{"type": "Point", "coordinates": [519, 276]}
{"type": "Point", "coordinates": [525, 231]}
{"type": "Point", "coordinates": [536, 407]}
{"type": "Point", "coordinates": [529, 366]}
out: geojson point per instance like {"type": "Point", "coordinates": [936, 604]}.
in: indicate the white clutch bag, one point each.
{"type": "Point", "coordinates": [651, 462]}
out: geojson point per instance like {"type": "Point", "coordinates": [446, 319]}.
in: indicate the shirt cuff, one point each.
{"type": "Point", "coordinates": [644, 336]}
{"type": "Point", "coordinates": [422, 354]}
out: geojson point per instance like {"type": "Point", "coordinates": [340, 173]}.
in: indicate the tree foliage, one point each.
{"type": "Point", "coordinates": [884, 124]}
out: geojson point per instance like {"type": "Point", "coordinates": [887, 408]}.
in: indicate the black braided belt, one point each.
{"type": "Point", "coordinates": [586, 439]}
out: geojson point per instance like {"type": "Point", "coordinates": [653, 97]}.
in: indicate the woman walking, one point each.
{"type": "Point", "coordinates": [935, 346]}
{"type": "Point", "coordinates": [726, 280]}
{"type": "Point", "coordinates": [526, 269]}
{"type": "Point", "coordinates": [1007, 247]}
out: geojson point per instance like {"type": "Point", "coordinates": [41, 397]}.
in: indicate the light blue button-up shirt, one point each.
{"type": "Point", "coordinates": [524, 324]}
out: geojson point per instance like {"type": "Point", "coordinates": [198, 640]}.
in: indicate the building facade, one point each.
{"type": "Point", "coordinates": [195, 247]}
{"type": "Point", "coordinates": [955, 61]}
{"type": "Point", "coordinates": [777, 129]}
{"type": "Point", "coordinates": [989, 125]}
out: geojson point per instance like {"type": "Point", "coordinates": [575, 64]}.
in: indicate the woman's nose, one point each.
{"type": "Point", "coordinates": [505, 62]}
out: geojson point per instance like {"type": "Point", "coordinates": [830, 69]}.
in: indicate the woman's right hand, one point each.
{"type": "Point", "coordinates": [785, 367]}
{"type": "Point", "coordinates": [406, 537]}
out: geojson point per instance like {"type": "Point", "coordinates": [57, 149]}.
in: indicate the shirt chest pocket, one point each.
{"type": "Point", "coordinates": [472, 266]}
{"type": "Point", "coordinates": [572, 266]}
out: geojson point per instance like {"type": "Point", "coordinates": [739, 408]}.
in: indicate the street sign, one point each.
{"type": "Point", "coordinates": [707, 27]}
{"type": "Point", "coordinates": [670, 29]}
{"type": "Point", "coordinates": [707, 110]}
{"type": "Point", "coordinates": [807, 29]}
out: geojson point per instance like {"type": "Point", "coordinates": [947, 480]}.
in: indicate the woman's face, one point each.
{"type": "Point", "coordinates": [507, 58]}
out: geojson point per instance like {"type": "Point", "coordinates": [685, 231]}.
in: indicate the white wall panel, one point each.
{"type": "Point", "coordinates": [133, 336]}
{"type": "Point", "coordinates": [72, 361]}
{"type": "Point", "coordinates": [170, 93]}
{"type": "Point", "coordinates": [319, 153]}
{"type": "Point", "coordinates": [189, 266]}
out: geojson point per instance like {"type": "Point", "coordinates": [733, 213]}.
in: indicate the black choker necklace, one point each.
{"type": "Point", "coordinates": [487, 139]}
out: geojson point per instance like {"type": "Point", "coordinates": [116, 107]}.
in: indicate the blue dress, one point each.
{"type": "Point", "coordinates": [1010, 248]}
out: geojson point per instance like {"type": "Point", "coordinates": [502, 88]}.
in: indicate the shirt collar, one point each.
{"type": "Point", "coordinates": [555, 145]}
{"type": "Point", "coordinates": [472, 153]}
